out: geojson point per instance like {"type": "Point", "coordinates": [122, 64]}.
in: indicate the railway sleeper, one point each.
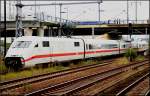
{"type": "Point", "coordinates": [68, 83]}
{"type": "Point", "coordinates": [112, 90]}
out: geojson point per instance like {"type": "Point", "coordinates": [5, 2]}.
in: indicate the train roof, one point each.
{"type": "Point", "coordinates": [35, 38]}
{"type": "Point", "coordinates": [38, 38]}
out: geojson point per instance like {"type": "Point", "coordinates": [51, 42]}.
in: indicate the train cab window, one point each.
{"type": "Point", "coordinates": [76, 44]}
{"type": "Point", "coordinates": [45, 43]}
{"type": "Point", "coordinates": [22, 44]}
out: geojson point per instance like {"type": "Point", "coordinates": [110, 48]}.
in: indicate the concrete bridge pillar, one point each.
{"type": "Point", "coordinates": [40, 31]}
{"type": "Point", "coordinates": [28, 31]}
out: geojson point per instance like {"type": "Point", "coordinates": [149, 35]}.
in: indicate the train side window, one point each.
{"type": "Point", "coordinates": [124, 46]}
{"type": "Point", "coordinates": [45, 43]}
{"type": "Point", "coordinates": [86, 46]}
{"type": "Point", "coordinates": [36, 45]}
{"type": "Point", "coordinates": [76, 44]}
{"type": "Point", "coordinates": [113, 46]}
{"type": "Point", "coordinates": [90, 46]}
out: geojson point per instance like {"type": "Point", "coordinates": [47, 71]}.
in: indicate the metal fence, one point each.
{"type": "Point", "coordinates": [41, 18]}
{"type": "Point", "coordinates": [118, 21]}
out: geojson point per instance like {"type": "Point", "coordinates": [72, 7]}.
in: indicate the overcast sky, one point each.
{"type": "Point", "coordinates": [110, 10]}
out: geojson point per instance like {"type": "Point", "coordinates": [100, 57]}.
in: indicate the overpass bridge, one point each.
{"type": "Point", "coordinates": [116, 28]}
{"type": "Point", "coordinates": [34, 26]}
{"type": "Point", "coordinates": [50, 26]}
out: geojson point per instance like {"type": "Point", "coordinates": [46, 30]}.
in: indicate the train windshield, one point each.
{"type": "Point", "coordinates": [22, 44]}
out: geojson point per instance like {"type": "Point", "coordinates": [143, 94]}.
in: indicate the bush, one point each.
{"type": "Point", "coordinates": [140, 58]}
{"type": "Point", "coordinates": [3, 67]}
{"type": "Point", "coordinates": [131, 54]}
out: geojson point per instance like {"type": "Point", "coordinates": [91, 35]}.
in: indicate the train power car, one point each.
{"type": "Point", "coordinates": [28, 51]}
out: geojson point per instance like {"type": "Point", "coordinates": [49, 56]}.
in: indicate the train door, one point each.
{"type": "Point", "coordinates": [119, 47]}
{"type": "Point", "coordinates": [51, 52]}
{"type": "Point", "coordinates": [36, 52]}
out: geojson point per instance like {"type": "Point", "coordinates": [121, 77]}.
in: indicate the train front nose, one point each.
{"type": "Point", "coordinates": [14, 62]}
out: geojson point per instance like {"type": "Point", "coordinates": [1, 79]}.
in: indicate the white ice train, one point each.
{"type": "Point", "coordinates": [28, 51]}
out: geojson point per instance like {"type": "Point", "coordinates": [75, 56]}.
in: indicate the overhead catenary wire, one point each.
{"type": "Point", "coordinates": [19, 6]}
{"type": "Point", "coordinates": [59, 4]}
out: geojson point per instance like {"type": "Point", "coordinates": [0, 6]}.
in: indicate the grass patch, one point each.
{"type": "Point", "coordinates": [121, 61]}
{"type": "Point", "coordinates": [87, 62]}
{"type": "Point", "coordinates": [131, 54]}
{"type": "Point", "coordinates": [83, 63]}
{"type": "Point", "coordinates": [7, 44]}
{"type": "Point", "coordinates": [27, 87]}
{"type": "Point", "coordinates": [2, 67]}
{"type": "Point", "coordinates": [140, 58]}
{"type": "Point", "coordinates": [31, 72]}
{"type": "Point", "coordinates": [1, 60]}
{"type": "Point", "coordinates": [124, 60]}
{"type": "Point", "coordinates": [34, 71]}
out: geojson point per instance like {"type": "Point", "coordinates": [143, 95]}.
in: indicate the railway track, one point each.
{"type": "Point", "coordinates": [121, 85]}
{"type": "Point", "coordinates": [6, 85]}
{"type": "Point", "coordinates": [107, 86]}
{"type": "Point", "coordinates": [73, 86]}
{"type": "Point", "coordinates": [147, 93]}
{"type": "Point", "coordinates": [132, 85]}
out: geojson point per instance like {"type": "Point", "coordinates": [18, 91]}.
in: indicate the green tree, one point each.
{"type": "Point", "coordinates": [131, 54]}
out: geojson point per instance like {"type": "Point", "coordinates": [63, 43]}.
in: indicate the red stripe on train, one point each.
{"type": "Point", "coordinates": [69, 54]}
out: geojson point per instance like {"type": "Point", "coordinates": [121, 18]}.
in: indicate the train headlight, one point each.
{"type": "Point", "coordinates": [22, 60]}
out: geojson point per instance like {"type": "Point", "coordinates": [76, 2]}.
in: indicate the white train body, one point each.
{"type": "Point", "coordinates": [140, 45]}
{"type": "Point", "coordinates": [27, 51]}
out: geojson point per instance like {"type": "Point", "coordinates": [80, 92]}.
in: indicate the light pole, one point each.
{"type": "Point", "coordinates": [60, 21]}
{"type": "Point", "coordinates": [19, 19]}
{"type": "Point", "coordinates": [5, 31]}
{"type": "Point", "coordinates": [9, 10]}
{"type": "Point", "coordinates": [136, 11]}
{"type": "Point", "coordinates": [55, 12]}
{"type": "Point", "coordinates": [149, 34]}
{"type": "Point", "coordinates": [149, 12]}
{"type": "Point", "coordinates": [59, 33]}
{"type": "Point", "coordinates": [67, 12]}
{"type": "Point", "coordinates": [0, 31]}
{"type": "Point", "coordinates": [149, 37]}
{"type": "Point", "coordinates": [99, 10]}
{"type": "Point", "coordinates": [127, 11]}
{"type": "Point", "coordinates": [35, 10]}
{"type": "Point", "coordinates": [128, 19]}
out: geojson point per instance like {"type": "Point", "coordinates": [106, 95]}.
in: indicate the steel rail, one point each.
{"type": "Point", "coordinates": [120, 69]}
{"type": "Point", "coordinates": [126, 89]}
{"type": "Point", "coordinates": [19, 82]}
{"type": "Point", "coordinates": [88, 85]}
{"type": "Point", "coordinates": [147, 93]}
{"type": "Point", "coordinates": [74, 90]}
